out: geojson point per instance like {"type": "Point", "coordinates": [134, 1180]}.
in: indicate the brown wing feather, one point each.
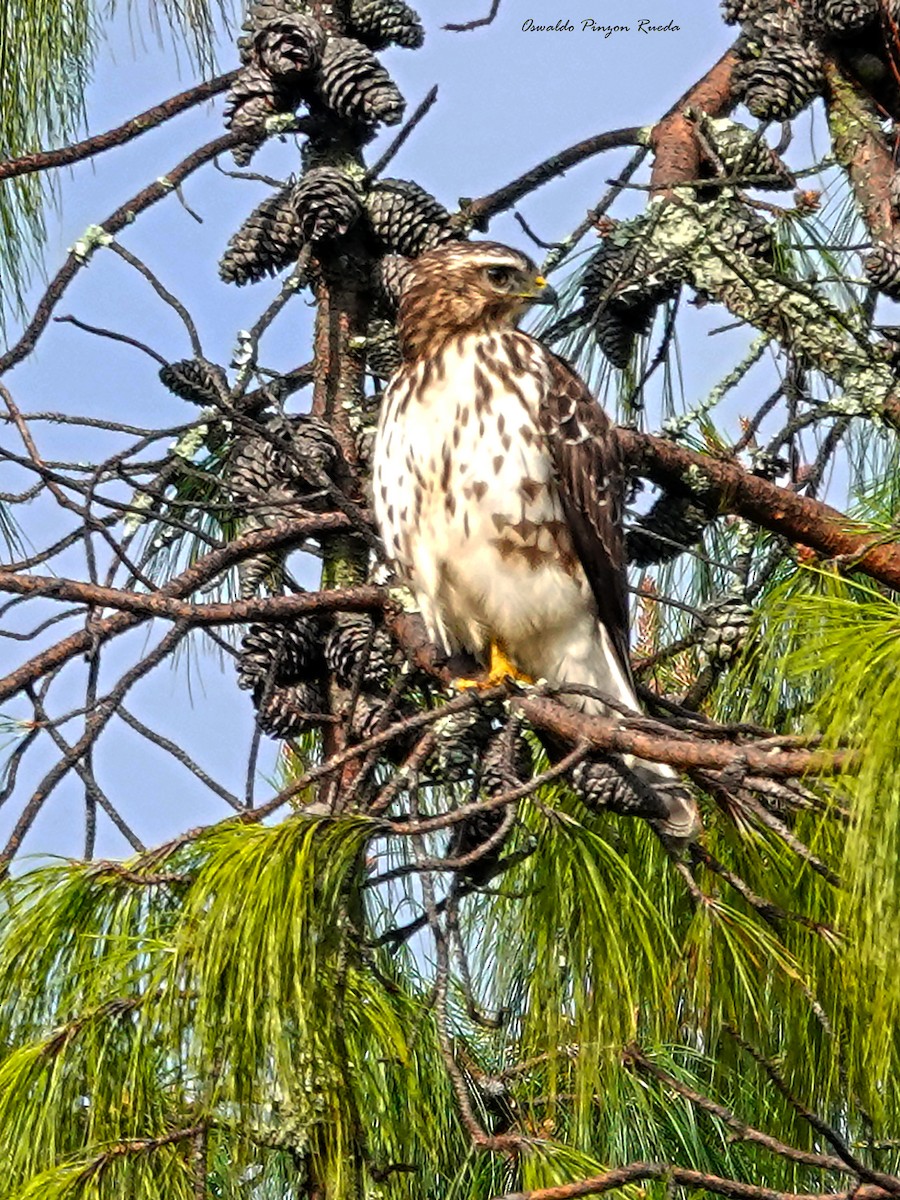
{"type": "Point", "coordinates": [590, 479]}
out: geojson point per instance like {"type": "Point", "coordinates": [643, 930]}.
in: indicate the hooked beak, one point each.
{"type": "Point", "coordinates": [542, 292]}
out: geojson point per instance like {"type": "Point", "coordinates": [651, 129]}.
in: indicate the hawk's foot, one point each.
{"type": "Point", "coordinates": [500, 670]}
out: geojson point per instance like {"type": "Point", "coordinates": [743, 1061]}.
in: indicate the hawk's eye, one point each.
{"type": "Point", "coordinates": [500, 276]}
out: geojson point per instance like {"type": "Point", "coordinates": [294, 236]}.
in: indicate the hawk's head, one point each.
{"type": "Point", "coordinates": [466, 287]}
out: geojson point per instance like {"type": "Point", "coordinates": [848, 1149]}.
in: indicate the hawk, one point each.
{"type": "Point", "coordinates": [498, 490]}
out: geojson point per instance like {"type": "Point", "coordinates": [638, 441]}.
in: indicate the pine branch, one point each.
{"type": "Point", "coordinates": [151, 118]}
{"type": "Point", "coordinates": [733, 1189]}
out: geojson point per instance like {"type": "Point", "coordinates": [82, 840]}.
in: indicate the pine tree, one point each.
{"type": "Point", "coordinates": [447, 953]}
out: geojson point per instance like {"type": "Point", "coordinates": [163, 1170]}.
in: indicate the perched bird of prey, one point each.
{"type": "Point", "coordinates": [496, 504]}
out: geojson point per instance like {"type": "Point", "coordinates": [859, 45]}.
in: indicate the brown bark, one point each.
{"type": "Point", "coordinates": [674, 144]}
{"type": "Point", "coordinates": [199, 573]}
{"type": "Point", "coordinates": [263, 608]}
{"type": "Point", "coordinates": [605, 734]}
{"type": "Point", "coordinates": [732, 489]}
{"type": "Point", "coordinates": [698, 1180]}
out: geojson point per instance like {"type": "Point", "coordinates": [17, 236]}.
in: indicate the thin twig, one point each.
{"type": "Point", "coordinates": [113, 336]}
{"type": "Point", "coordinates": [393, 149]}
{"type": "Point", "coordinates": [478, 22]}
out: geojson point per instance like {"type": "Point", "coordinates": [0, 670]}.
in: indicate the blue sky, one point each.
{"type": "Point", "coordinates": [507, 99]}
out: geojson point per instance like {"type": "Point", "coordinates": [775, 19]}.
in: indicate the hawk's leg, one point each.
{"type": "Point", "coordinates": [500, 669]}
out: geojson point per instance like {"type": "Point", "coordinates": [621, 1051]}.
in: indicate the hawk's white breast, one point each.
{"type": "Point", "coordinates": [469, 511]}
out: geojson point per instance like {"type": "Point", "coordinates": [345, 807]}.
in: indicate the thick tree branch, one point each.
{"type": "Point", "coordinates": [272, 608]}
{"type": "Point", "coordinates": [612, 737]}
{"type": "Point", "coordinates": [673, 139]}
{"type": "Point", "coordinates": [732, 489]}
{"type": "Point", "coordinates": [198, 574]}
{"type": "Point", "coordinates": [697, 1180]}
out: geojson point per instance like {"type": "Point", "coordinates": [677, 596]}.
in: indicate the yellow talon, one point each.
{"type": "Point", "coordinates": [500, 670]}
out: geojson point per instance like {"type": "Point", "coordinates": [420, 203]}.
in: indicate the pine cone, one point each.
{"type": "Point", "coordinates": [281, 53]}
{"type": "Point", "coordinates": [745, 156]}
{"type": "Point", "coordinates": [355, 87]}
{"type": "Point", "coordinates": [349, 641]}
{"type": "Point", "coordinates": [293, 452]}
{"type": "Point", "coordinates": [256, 479]}
{"type": "Point", "coordinates": [381, 23]}
{"type": "Point", "coordinates": [609, 285]}
{"type": "Point", "coordinates": [406, 218]}
{"type": "Point", "coordinates": [461, 737]}
{"type": "Point", "coordinates": [740, 227]}
{"type": "Point", "coordinates": [606, 784]}
{"type": "Point", "coordinates": [616, 337]}
{"type": "Point", "coordinates": [270, 473]}
{"type": "Point", "coordinates": [264, 12]}
{"type": "Point", "coordinates": [326, 203]}
{"type": "Point", "coordinates": [253, 97]}
{"type": "Point", "coordinates": [781, 82]}
{"type": "Point", "coordinates": [506, 763]}
{"type": "Point", "coordinates": [259, 480]}
{"type": "Point", "coordinates": [275, 655]}
{"type": "Point", "coordinates": [623, 288]}
{"type": "Point", "coordinates": [286, 712]}
{"type": "Point", "coordinates": [382, 348]}
{"type": "Point", "coordinates": [311, 448]}
{"type": "Point", "coordinates": [845, 16]}
{"type": "Point", "coordinates": [736, 11]}
{"type": "Point", "coordinates": [392, 273]}
{"type": "Point", "coordinates": [196, 380]}
{"type": "Point", "coordinates": [504, 766]}
{"type": "Point", "coordinates": [775, 25]}
{"type": "Point", "coordinates": [368, 710]}
{"type": "Point", "coordinates": [269, 240]}
{"type": "Point", "coordinates": [627, 276]}
{"type": "Point", "coordinates": [673, 524]}
{"type": "Point", "coordinates": [882, 266]}
{"type": "Point", "coordinates": [744, 11]}
{"type": "Point", "coordinates": [289, 48]}
{"type": "Point", "coordinates": [727, 626]}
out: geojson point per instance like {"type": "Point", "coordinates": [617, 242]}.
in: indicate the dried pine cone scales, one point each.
{"type": "Point", "coordinates": [355, 87]}
{"type": "Point", "coordinates": [743, 155]}
{"type": "Point", "coordinates": [280, 665]}
{"type": "Point", "coordinates": [268, 241]}
{"type": "Point", "coordinates": [673, 525]}
{"type": "Point", "coordinates": [728, 624]}
{"type": "Point", "coordinates": [405, 218]}
{"type": "Point", "coordinates": [781, 50]}
{"type": "Point", "coordinates": [846, 16]}
{"type": "Point", "coordinates": [355, 644]}
{"type": "Point", "coordinates": [882, 266]}
{"type": "Point", "coordinates": [279, 653]}
{"type": "Point", "coordinates": [622, 289]}
{"type": "Point", "coordinates": [289, 711]}
{"type": "Point", "coordinates": [505, 763]}
{"type": "Point", "coordinates": [281, 53]}
{"type": "Point", "coordinates": [381, 23]}
{"type": "Point", "coordinates": [196, 380]}
{"type": "Point", "coordinates": [326, 202]}
{"type": "Point", "coordinates": [782, 81]}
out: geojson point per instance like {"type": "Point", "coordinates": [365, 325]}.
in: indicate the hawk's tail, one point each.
{"type": "Point", "coordinates": [638, 788]}
{"type": "Point", "coordinates": [679, 823]}
{"type": "Point", "coordinates": [658, 791]}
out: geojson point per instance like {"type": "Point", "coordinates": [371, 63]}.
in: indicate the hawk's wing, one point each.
{"type": "Point", "coordinates": [590, 480]}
